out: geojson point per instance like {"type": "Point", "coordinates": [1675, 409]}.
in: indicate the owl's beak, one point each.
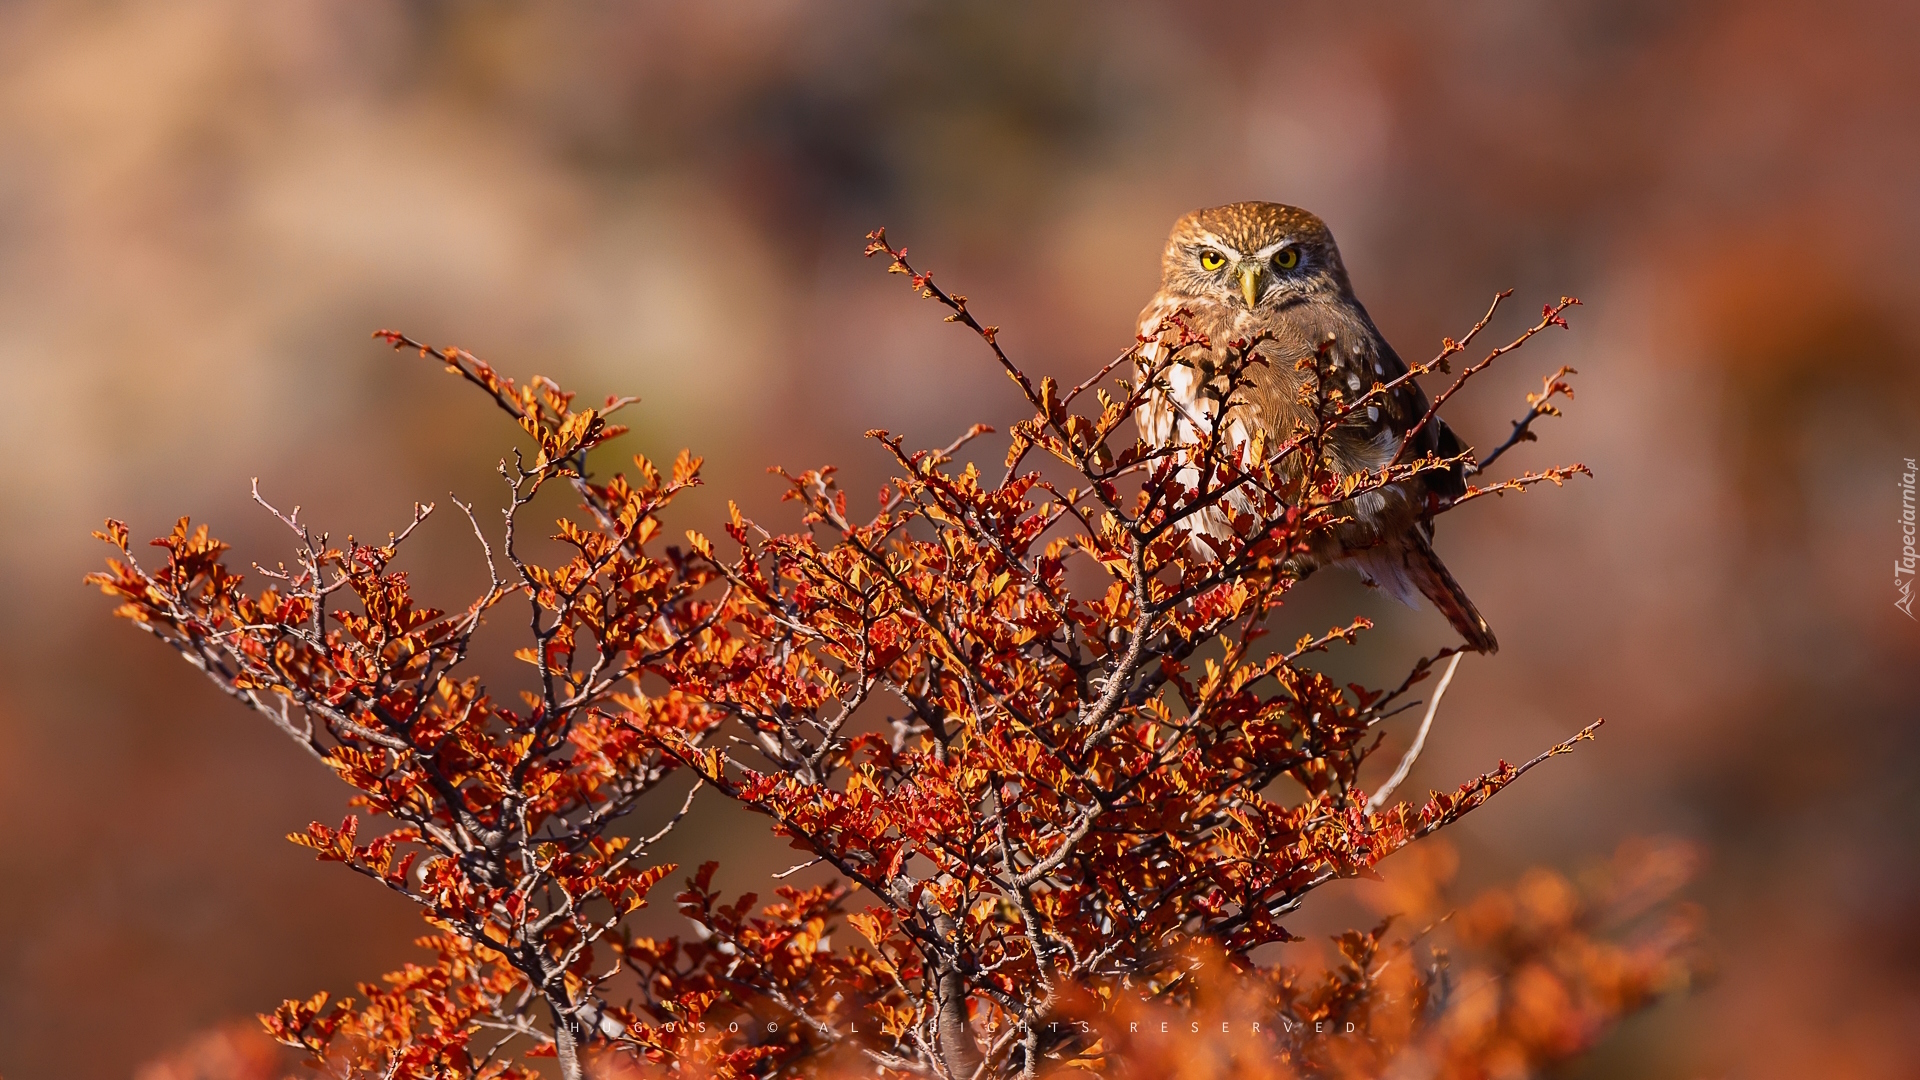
{"type": "Point", "coordinates": [1250, 284]}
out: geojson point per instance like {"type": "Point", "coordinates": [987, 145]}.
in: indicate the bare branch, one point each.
{"type": "Point", "coordinates": [1379, 798]}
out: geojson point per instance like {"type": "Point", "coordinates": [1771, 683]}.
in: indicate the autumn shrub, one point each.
{"type": "Point", "coordinates": [1060, 785]}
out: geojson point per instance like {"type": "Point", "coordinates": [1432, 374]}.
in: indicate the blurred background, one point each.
{"type": "Point", "coordinates": [206, 205]}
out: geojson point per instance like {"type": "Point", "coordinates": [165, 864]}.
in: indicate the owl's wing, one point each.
{"type": "Point", "coordinates": [1374, 360]}
{"type": "Point", "coordinates": [1451, 483]}
{"type": "Point", "coordinates": [1404, 407]}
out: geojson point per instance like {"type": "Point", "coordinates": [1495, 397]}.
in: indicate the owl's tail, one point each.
{"type": "Point", "coordinates": [1410, 564]}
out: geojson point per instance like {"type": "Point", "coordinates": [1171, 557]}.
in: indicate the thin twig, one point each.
{"type": "Point", "coordinates": [1538, 405]}
{"type": "Point", "coordinates": [1379, 798]}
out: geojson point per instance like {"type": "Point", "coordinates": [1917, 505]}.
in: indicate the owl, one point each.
{"type": "Point", "coordinates": [1270, 275]}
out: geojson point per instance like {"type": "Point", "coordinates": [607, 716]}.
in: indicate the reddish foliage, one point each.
{"type": "Point", "coordinates": [1062, 777]}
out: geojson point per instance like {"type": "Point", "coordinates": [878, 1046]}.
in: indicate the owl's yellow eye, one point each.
{"type": "Point", "coordinates": [1212, 260]}
{"type": "Point", "coordinates": [1287, 258]}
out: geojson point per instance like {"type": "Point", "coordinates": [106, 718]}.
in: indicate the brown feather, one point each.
{"type": "Point", "coordinates": [1430, 576]}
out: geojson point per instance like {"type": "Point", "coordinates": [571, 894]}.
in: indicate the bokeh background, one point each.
{"type": "Point", "coordinates": [206, 205]}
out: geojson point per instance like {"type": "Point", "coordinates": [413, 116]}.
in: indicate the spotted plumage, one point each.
{"type": "Point", "coordinates": [1267, 273]}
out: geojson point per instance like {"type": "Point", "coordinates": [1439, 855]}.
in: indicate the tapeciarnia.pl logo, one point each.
{"type": "Point", "coordinates": [1903, 567]}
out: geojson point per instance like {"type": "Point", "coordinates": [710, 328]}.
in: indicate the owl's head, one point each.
{"type": "Point", "coordinates": [1260, 254]}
